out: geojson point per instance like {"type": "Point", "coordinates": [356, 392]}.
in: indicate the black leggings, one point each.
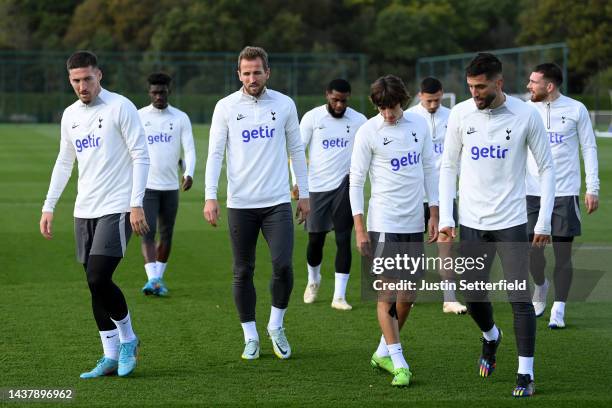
{"type": "Point", "coordinates": [314, 250]}
{"type": "Point", "coordinates": [276, 225]}
{"type": "Point", "coordinates": [107, 300]}
{"type": "Point", "coordinates": [564, 270]}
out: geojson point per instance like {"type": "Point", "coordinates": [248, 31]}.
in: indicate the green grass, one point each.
{"type": "Point", "coordinates": [191, 341]}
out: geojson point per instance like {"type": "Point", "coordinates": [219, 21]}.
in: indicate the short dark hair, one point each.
{"type": "Point", "coordinates": [431, 85]}
{"type": "Point", "coordinates": [159, 78]}
{"type": "Point", "coordinates": [484, 63]}
{"type": "Point", "coordinates": [250, 53]}
{"type": "Point", "coordinates": [551, 72]}
{"type": "Point", "coordinates": [340, 85]}
{"type": "Point", "coordinates": [389, 90]}
{"type": "Point", "coordinates": [82, 59]}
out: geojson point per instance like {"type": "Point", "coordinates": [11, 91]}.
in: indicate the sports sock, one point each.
{"type": "Point", "coordinates": [151, 270]}
{"type": "Point", "coordinates": [110, 343]}
{"type": "Point", "coordinates": [558, 309]}
{"type": "Point", "coordinates": [492, 334]}
{"type": "Point", "coordinates": [161, 268]}
{"type": "Point", "coordinates": [449, 296]}
{"type": "Point", "coordinates": [539, 291]}
{"type": "Point", "coordinates": [340, 285]}
{"type": "Point", "coordinates": [276, 318]}
{"type": "Point", "coordinates": [314, 274]}
{"type": "Point", "coordinates": [525, 366]}
{"type": "Point", "coordinates": [250, 331]}
{"type": "Point", "coordinates": [382, 350]}
{"type": "Point", "coordinates": [395, 351]}
{"type": "Point", "coordinates": [126, 333]}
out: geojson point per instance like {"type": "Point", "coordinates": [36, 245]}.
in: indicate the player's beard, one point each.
{"type": "Point", "coordinates": [488, 100]}
{"type": "Point", "coordinates": [333, 112]}
{"type": "Point", "coordinates": [256, 90]}
{"type": "Point", "coordinates": [538, 97]}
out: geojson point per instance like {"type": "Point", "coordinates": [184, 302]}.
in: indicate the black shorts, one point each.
{"type": "Point", "coordinates": [330, 210]}
{"type": "Point", "coordinates": [107, 235]}
{"type": "Point", "coordinates": [455, 214]}
{"type": "Point", "coordinates": [390, 245]}
{"type": "Point", "coordinates": [160, 207]}
{"type": "Point", "coordinates": [565, 221]}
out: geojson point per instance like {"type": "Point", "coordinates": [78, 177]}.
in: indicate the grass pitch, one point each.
{"type": "Point", "coordinates": [192, 340]}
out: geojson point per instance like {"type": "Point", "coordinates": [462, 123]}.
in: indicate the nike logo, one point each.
{"type": "Point", "coordinates": [74, 125]}
{"type": "Point", "coordinates": [469, 132]}
{"type": "Point", "coordinates": [387, 141]}
{"type": "Point", "coordinates": [240, 116]}
{"type": "Point", "coordinates": [283, 352]}
{"type": "Point", "coordinates": [253, 353]}
{"type": "Point", "coordinates": [110, 337]}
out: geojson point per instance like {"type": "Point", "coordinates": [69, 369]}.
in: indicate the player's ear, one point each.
{"type": "Point", "coordinates": [99, 74]}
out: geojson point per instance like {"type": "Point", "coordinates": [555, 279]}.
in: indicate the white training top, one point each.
{"type": "Point", "coordinates": [567, 125]}
{"type": "Point", "coordinates": [256, 133]}
{"type": "Point", "coordinates": [399, 160]}
{"type": "Point", "coordinates": [491, 145]}
{"type": "Point", "coordinates": [107, 139]}
{"type": "Point", "coordinates": [330, 144]}
{"type": "Point", "coordinates": [166, 131]}
{"type": "Point", "coordinates": [437, 123]}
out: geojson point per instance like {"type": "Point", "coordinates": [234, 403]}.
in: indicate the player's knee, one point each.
{"type": "Point", "coordinates": [282, 270]}
{"type": "Point", "coordinates": [97, 282]}
{"type": "Point", "coordinates": [522, 308]}
{"type": "Point", "coordinates": [343, 239]}
{"type": "Point", "coordinates": [243, 272]}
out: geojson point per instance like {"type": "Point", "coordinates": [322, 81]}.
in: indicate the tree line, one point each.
{"type": "Point", "coordinates": [393, 33]}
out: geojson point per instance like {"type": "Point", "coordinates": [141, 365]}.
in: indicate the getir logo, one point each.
{"type": "Point", "coordinates": [261, 133]}
{"type": "Point", "coordinates": [411, 159]}
{"type": "Point", "coordinates": [555, 138]}
{"type": "Point", "coordinates": [160, 138]}
{"type": "Point", "coordinates": [89, 141]}
{"type": "Point", "coordinates": [488, 152]}
{"type": "Point", "coordinates": [339, 142]}
{"type": "Point", "coordinates": [438, 148]}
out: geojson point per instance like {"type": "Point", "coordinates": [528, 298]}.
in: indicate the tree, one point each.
{"type": "Point", "coordinates": [583, 25]}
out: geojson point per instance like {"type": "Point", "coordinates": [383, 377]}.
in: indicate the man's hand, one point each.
{"type": "Point", "coordinates": [540, 240]}
{"type": "Point", "coordinates": [46, 220]}
{"type": "Point", "coordinates": [446, 234]}
{"type": "Point", "coordinates": [138, 221]}
{"type": "Point", "coordinates": [303, 209]}
{"type": "Point", "coordinates": [295, 193]}
{"type": "Point", "coordinates": [211, 212]}
{"type": "Point", "coordinates": [186, 183]}
{"type": "Point", "coordinates": [432, 224]}
{"type": "Point", "coordinates": [362, 240]}
{"type": "Point", "coordinates": [591, 201]}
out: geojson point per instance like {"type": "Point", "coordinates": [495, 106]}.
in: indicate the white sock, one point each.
{"type": "Point", "coordinates": [110, 343]}
{"type": "Point", "coordinates": [395, 351]}
{"type": "Point", "coordinates": [250, 331]}
{"type": "Point", "coordinates": [276, 318]}
{"type": "Point", "coordinates": [340, 285]}
{"type": "Point", "coordinates": [314, 274]}
{"type": "Point", "coordinates": [382, 350]}
{"type": "Point", "coordinates": [161, 268]}
{"type": "Point", "coordinates": [151, 270]}
{"type": "Point", "coordinates": [526, 366]}
{"type": "Point", "coordinates": [492, 334]}
{"type": "Point", "coordinates": [558, 308]}
{"type": "Point", "coordinates": [539, 291]}
{"type": "Point", "coordinates": [449, 296]}
{"type": "Point", "coordinates": [126, 334]}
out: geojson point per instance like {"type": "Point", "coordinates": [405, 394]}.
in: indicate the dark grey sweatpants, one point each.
{"type": "Point", "coordinates": [276, 225]}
